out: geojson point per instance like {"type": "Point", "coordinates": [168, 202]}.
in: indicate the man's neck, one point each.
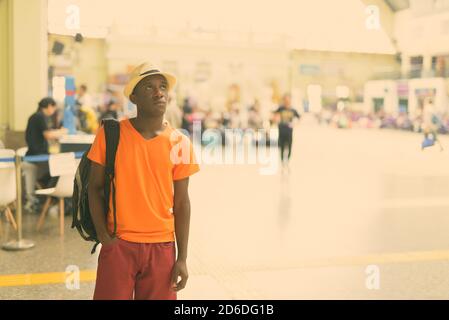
{"type": "Point", "coordinates": [148, 124]}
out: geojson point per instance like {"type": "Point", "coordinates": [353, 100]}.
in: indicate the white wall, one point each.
{"type": "Point", "coordinates": [441, 98]}
{"type": "Point", "coordinates": [5, 73]}
{"type": "Point", "coordinates": [28, 59]}
{"type": "Point", "coordinates": [421, 35]}
{"type": "Point", "coordinates": [386, 89]}
{"type": "Point", "coordinates": [253, 68]}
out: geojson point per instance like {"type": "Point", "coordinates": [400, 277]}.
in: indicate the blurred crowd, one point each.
{"type": "Point", "coordinates": [234, 115]}
{"type": "Point", "coordinates": [422, 121]}
{"type": "Point", "coordinates": [90, 114]}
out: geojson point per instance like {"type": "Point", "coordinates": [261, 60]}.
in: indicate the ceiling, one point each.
{"type": "Point", "coordinates": [397, 5]}
{"type": "Point", "coordinates": [325, 25]}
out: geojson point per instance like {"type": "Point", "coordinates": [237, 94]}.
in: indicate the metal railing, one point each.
{"type": "Point", "coordinates": [20, 243]}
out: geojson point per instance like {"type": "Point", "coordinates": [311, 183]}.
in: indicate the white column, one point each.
{"type": "Point", "coordinates": [405, 65]}
{"type": "Point", "coordinates": [427, 67]}
{"type": "Point", "coordinates": [5, 59]}
{"type": "Point", "coordinates": [29, 59]}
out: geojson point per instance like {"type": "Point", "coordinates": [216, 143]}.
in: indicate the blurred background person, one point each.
{"type": "Point", "coordinates": [173, 114]}
{"type": "Point", "coordinates": [197, 118]}
{"type": "Point", "coordinates": [37, 136]}
{"type": "Point", "coordinates": [430, 125]}
{"type": "Point", "coordinates": [111, 111]}
{"type": "Point", "coordinates": [186, 114]}
{"type": "Point", "coordinates": [211, 120]}
{"type": "Point", "coordinates": [235, 120]}
{"type": "Point", "coordinates": [256, 123]}
{"type": "Point", "coordinates": [255, 119]}
{"type": "Point", "coordinates": [87, 120]}
{"type": "Point", "coordinates": [83, 97]}
{"type": "Point", "coordinates": [285, 117]}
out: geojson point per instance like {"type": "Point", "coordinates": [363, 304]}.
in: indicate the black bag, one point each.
{"type": "Point", "coordinates": [82, 219]}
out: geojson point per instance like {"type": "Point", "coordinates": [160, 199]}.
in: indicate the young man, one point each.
{"type": "Point", "coordinates": [37, 135]}
{"type": "Point", "coordinates": [285, 117]}
{"type": "Point", "coordinates": [152, 200]}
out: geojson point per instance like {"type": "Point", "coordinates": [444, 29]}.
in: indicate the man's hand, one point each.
{"type": "Point", "coordinates": [106, 239]}
{"type": "Point", "coordinates": [179, 270]}
{"type": "Point", "coordinates": [54, 133]}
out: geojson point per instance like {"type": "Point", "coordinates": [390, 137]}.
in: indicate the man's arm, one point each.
{"type": "Point", "coordinates": [54, 134]}
{"type": "Point", "coordinates": [181, 211]}
{"type": "Point", "coordinates": [96, 202]}
{"type": "Point", "coordinates": [296, 118]}
{"type": "Point", "coordinates": [49, 134]}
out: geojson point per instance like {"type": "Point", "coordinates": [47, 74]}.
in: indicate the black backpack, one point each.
{"type": "Point", "coordinates": [82, 219]}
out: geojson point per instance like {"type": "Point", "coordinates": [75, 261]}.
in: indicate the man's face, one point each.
{"type": "Point", "coordinates": [151, 96]}
{"type": "Point", "coordinates": [50, 110]}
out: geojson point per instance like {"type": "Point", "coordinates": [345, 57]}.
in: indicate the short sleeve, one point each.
{"type": "Point", "coordinates": [97, 151]}
{"type": "Point", "coordinates": [41, 124]}
{"type": "Point", "coordinates": [183, 158]}
{"type": "Point", "coordinates": [297, 114]}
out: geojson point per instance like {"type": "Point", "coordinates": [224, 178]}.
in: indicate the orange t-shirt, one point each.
{"type": "Point", "coordinates": [144, 175]}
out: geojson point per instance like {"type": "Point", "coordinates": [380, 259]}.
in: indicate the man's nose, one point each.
{"type": "Point", "coordinates": [158, 92]}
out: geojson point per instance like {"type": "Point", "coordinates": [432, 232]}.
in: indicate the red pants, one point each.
{"type": "Point", "coordinates": [141, 271]}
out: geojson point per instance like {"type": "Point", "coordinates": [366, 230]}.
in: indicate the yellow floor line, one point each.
{"type": "Point", "coordinates": [31, 279]}
{"type": "Point", "coordinates": [388, 258]}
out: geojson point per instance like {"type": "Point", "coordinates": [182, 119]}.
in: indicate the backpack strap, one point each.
{"type": "Point", "coordinates": [112, 136]}
{"type": "Point", "coordinates": [77, 215]}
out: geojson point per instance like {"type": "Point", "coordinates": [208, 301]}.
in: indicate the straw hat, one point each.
{"type": "Point", "coordinates": [144, 70]}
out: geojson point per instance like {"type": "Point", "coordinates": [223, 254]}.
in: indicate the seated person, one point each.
{"type": "Point", "coordinates": [88, 121]}
{"type": "Point", "coordinates": [37, 135]}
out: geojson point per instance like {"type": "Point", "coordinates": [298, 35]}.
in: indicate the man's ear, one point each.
{"type": "Point", "coordinates": [132, 98]}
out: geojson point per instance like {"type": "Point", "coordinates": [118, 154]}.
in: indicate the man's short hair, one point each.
{"type": "Point", "coordinates": [45, 102]}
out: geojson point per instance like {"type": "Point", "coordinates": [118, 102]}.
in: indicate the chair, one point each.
{"type": "Point", "coordinates": [21, 152]}
{"type": "Point", "coordinates": [62, 165]}
{"type": "Point", "coordinates": [28, 168]}
{"type": "Point", "coordinates": [8, 192]}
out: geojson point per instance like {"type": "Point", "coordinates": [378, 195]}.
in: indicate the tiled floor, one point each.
{"type": "Point", "coordinates": [352, 199]}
